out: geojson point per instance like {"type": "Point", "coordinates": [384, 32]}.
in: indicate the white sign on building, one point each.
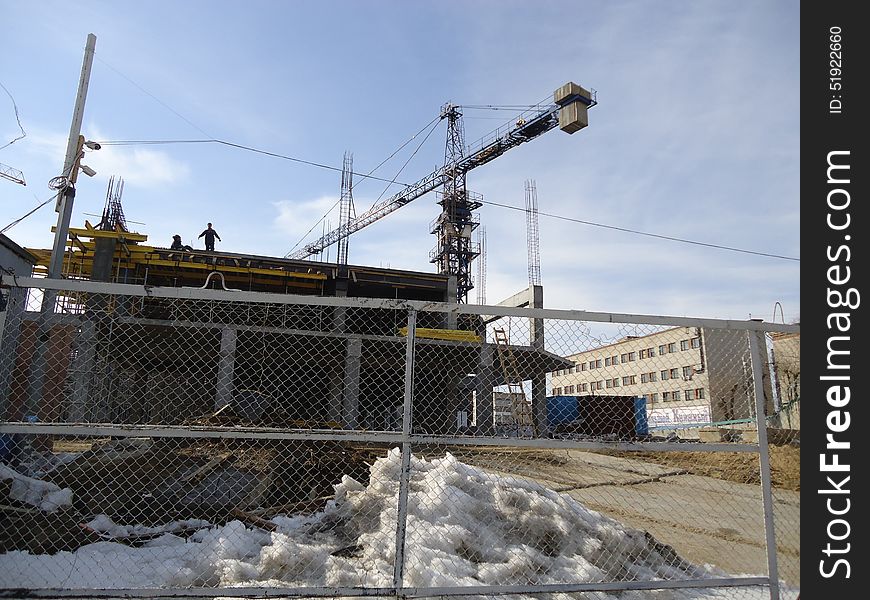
{"type": "Point", "coordinates": [679, 416]}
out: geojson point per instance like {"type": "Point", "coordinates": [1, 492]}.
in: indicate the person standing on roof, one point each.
{"type": "Point", "coordinates": [210, 234]}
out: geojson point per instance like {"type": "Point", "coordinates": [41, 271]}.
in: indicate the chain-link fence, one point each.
{"type": "Point", "coordinates": [185, 442]}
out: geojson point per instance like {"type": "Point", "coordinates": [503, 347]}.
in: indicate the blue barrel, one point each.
{"type": "Point", "coordinates": [561, 409]}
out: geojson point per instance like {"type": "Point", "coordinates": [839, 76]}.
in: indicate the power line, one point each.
{"type": "Point", "coordinates": [18, 220]}
{"type": "Point", "coordinates": [647, 234]}
{"type": "Point", "coordinates": [17, 118]}
{"type": "Point", "coordinates": [155, 98]}
{"type": "Point", "coordinates": [239, 147]}
{"type": "Point", "coordinates": [392, 181]}
{"type": "Point", "coordinates": [431, 123]}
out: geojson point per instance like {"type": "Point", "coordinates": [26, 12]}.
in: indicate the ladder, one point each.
{"type": "Point", "coordinates": [521, 410]}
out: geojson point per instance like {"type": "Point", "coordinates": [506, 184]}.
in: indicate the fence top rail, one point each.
{"type": "Point", "coordinates": [190, 293]}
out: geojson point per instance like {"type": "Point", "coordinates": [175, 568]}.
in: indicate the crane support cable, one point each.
{"type": "Point", "coordinates": [531, 124]}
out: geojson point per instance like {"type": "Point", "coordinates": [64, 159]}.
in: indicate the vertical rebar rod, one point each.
{"type": "Point", "coordinates": [532, 234]}
{"type": "Point", "coordinates": [764, 459]}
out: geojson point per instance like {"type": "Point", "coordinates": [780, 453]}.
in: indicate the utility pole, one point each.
{"type": "Point", "coordinates": [71, 164]}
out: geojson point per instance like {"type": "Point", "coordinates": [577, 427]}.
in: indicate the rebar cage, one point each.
{"type": "Point", "coordinates": [188, 442]}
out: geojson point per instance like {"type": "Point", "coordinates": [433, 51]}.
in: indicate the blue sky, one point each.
{"type": "Point", "coordinates": [696, 134]}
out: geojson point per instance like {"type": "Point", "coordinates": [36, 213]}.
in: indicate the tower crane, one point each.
{"type": "Point", "coordinates": [455, 250]}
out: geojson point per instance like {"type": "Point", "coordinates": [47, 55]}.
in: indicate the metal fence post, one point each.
{"type": "Point", "coordinates": [405, 473]}
{"type": "Point", "coordinates": [764, 457]}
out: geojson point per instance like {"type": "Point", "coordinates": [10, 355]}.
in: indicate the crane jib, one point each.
{"type": "Point", "coordinates": [526, 128]}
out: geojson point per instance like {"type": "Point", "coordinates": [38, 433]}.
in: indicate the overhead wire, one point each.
{"type": "Point", "coordinates": [394, 180]}
{"type": "Point", "coordinates": [647, 234]}
{"type": "Point", "coordinates": [19, 219]}
{"type": "Point", "coordinates": [155, 98]}
{"type": "Point", "coordinates": [431, 123]}
{"type": "Point", "coordinates": [17, 118]}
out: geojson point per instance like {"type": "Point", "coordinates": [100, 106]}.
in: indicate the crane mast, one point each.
{"type": "Point", "coordinates": [455, 249]}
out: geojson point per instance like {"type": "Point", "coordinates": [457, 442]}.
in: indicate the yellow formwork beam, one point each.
{"type": "Point", "coordinates": [451, 335]}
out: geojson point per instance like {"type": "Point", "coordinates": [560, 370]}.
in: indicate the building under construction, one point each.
{"type": "Point", "coordinates": [164, 358]}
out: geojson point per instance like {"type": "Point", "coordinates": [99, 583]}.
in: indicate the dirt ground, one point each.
{"type": "Point", "coordinates": [740, 467]}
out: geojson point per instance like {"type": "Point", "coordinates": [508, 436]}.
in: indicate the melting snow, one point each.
{"type": "Point", "coordinates": [42, 494]}
{"type": "Point", "coordinates": [465, 527]}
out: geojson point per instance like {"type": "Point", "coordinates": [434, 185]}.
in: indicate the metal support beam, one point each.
{"type": "Point", "coordinates": [405, 473]}
{"type": "Point", "coordinates": [764, 460]}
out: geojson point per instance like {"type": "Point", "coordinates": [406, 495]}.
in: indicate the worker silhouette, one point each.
{"type": "Point", "coordinates": [177, 245]}
{"type": "Point", "coordinates": [210, 234]}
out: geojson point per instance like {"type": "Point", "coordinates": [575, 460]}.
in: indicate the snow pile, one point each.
{"type": "Point", "coordinates": [42, 494]}
{"type": "Point", "coordinates": [465, 527]}
{"type": "Point", "coordinates": [105, 525]}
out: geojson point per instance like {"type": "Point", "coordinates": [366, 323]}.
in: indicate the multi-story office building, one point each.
{"type": "Point", "coordinates": [688, 375]}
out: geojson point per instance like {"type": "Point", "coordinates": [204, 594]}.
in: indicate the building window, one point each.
{"type": "Point", "coordinates": [584, 387]}
{"type": "Point", "coordinates": [654, 396]}
{"type": "Point", "coordinates": [570, 370]}
{"type": "Point", "coordinates": [615, 358]}
{"type": "Point", "coordinates": [699, 394]}
{"type": "Point", "coordinates": [664, 375]}
{"type": "Point", "coordinates": [624, 357]}
{"type": "Point", "coordinates": [608, 383]}
{"type": "Point", "coordinates": [569, 389]}
{"type": "Point", "coordinates": [675, 395]}
{"type": "Point", "coordinates": [629, 380]}
{"type": "Point", "coordinates": [599, 385]}
{"type": "Point", "coordinates": [662, 349]}
{"type": "Point", "coordinates": [684, 344]}
{"type": "Point", "coordinates": [644, 377]}
{"type": "Point", "coordinates": [666, 396]}
{"type": "Point", "coordinates": [653, 376]}
{"type": "Point", "coordinates": [672, 347]}
{"type": "Point", "coordinates": [583, 366]}
{"type": "Point", "coordinates": [642, 354]}
{"type": "Point", "coordinates": [675, 373]}
{"type": "Point", "coordinates": [615, 381]}
{"type": "Point", "coordinates": [696, 342]}
{"type": "Point", "coordinates": [632, 356]}
{"type": "Point", "coordinates": [687, 395]}
{"type": "Point", "coordinates": [591, 364]}
{"type": "Point", "coordinates": [651, 352]}
{"type": "Point", "coordinates": [608, 361]}
{"type": "Point", "coordinates": [597, 363]}
{"type": "Point", "coordinates": [688, 372]}
{"type": "Point", "coordinates": [557, 391]}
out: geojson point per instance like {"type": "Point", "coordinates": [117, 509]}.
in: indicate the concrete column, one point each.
{"type": "Point", "coordinates": [483, 401]}
{"type": "Point", "coordinates": [539, 381]}
{"type": "Point", "coordinates": [539, 404]}
{"type": "Point", "coordinates": [350, 394]}
{"type": "Point", "coordinates": [226, 367]}
{"type": "Point", "coordinates": [82, 372]}
{"type": "Point", "coordinates": [451, 316]}
{"type": "Point", "coordinates": [9, 350]}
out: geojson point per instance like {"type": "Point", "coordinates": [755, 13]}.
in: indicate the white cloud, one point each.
{"type": "Point", "coordinates": [298, 218]}
{"type": "Point", "coordinates": [137, 166]}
